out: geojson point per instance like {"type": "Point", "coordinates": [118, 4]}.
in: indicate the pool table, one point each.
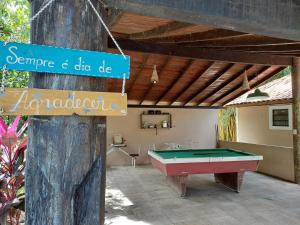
{"type": "Point", "coordinates": [227, 165]}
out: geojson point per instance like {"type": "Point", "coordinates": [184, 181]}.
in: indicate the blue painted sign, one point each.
{"type": "Point", "coordinates": [48, 59]}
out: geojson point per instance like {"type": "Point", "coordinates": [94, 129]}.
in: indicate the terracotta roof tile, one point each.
{"type": "Point", "coordinates": [279, 89]}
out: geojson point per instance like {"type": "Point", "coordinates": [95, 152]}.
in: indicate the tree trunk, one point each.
{"type": "Point", "coordinates": [65, 171]}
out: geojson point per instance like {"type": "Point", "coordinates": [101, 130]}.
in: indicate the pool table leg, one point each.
{"type": "Point", "coordinates": [179, 183]}
{"type": "Point", "coordinates": [230, 180]}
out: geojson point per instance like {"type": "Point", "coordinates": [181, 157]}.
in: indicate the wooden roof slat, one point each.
{"type": "Point", "coordinates": [210, 82]}
{"type": "Point", "coordinates": [295, 46]}
{"type": "Point", "coordinates": [225, 83]}
{"type": "Point", "coordinates": [214, 34]}
{"type": "Point", "coordinates": [239, 41]}
{"type": "Point", "coordinates": [207, 67]}
{"type": "Point", "coordinates": [175, 81]}
{"type": "Point", "coordinates": [238, 85]}
{"type": "Point", "coordinates": [159, 31]}
{"type": "Point", "coordinates": [205, 54]}
{"type": "Point", "coordinates": [253, 83]}
{"type": "Point", "coordinates": [160, 72]}
{"type": "Point", "coordinates": [141, 67]}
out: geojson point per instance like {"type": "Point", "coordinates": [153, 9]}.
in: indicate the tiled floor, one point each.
{"type": "Point", "coordinates": [141, 197]}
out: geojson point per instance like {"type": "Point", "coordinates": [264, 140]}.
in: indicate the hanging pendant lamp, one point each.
{"type": "Point", "coordinates": [258, 94]}
{"type": "Point", "coordinates": [246, 86]}
{"type": "Point", "coordinates": [154, 77]}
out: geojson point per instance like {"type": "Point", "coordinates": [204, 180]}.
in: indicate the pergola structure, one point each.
{"type": "Point", "coordinates": [198, 65]}
{"type": "Point", "coordinates": [202, 50]}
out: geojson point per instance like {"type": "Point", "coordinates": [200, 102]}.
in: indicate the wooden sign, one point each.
{"type": "Point", "coordinates": [48, 59]}
{"type": "Point", "coordinates": [24, 101]}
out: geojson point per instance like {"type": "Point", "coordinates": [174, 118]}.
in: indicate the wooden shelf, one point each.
{"type": "Point", "coordinates": [156, 122]}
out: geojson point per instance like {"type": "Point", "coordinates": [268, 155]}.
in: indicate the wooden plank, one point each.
{"type": "Point", "coordinates": [141, 67]}
{"type": "Point", "coordinates": [37, 102]}
{"type": "Point", "coordinates": [225, 83]}
{"type": "Point", "coordinates": [283, 47]}
{"type": "Point", "coordinates": [205, 54]}
{"type": "Point", "coordinates": [175, 81]}
{"type": "Point", "coordinates": [239, 41]}
{"type": "Point", "coordinates": [179, 94]}
{"type": "Point", "coordinates": [210, 82]}
{"type": "Point", "coordinates": [173, 107]}
{"type": "Point", "coordinates": [215, 34]}
{"type": "Point", "coordinates": [52, 59]}
{"type": "Point", "coordinates": [275, 18]}
{"type": "Point", "coordinates": [159, 31]}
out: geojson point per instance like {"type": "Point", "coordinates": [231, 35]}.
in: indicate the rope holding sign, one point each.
{"type": "Point", "coordinates": [12, 37]}
{"type": "Point", "coordinates": [113, 39]}
{"type": "Point", "coordinates": [43, 8]}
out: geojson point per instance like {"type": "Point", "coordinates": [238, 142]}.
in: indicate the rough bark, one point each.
{"type": "Point", "coordinates": [296, 117]}
{"type": "Point", "coordinates": [65, 173]}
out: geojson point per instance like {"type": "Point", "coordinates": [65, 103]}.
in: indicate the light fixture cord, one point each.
{"type": "Point", "coordinates": [113, 39]}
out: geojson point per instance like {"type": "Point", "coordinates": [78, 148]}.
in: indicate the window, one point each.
{"type": "Point", "coordinates": [280, 117]}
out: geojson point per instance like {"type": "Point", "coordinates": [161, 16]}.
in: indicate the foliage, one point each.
{"type": "Point", "coordinates": [13, 15]}
{"type": "Point", "coordinates": [282, 73]}
{"type": "Point", "coordinates": [227, 125]}
{"type": "Point", "coordinates": [13, 144]}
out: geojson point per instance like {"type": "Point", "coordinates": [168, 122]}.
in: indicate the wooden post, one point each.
{"type": "Point", "coordinates": [296, 116]}
{"type": "Point", "coordinates": [65, 173]}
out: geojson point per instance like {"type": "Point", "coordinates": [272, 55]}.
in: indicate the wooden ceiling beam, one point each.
{"type": "Point", "coordinates": [138, 74]}
{"type": "Point", "coordinates": [237, 86]}
{"type": "Point", "coordinates": [175, 81]}
{"type": "Point", "coordinates": [215, 34]}
{"type": "Point", "coordinates": [261, 48]}
{"type": "Point", "coordinates": [210, 82]}
{"type": "Point", "coordinates": [160, 73]}
{"type": "Point", "coordinates": [242, 40]}
{"type": "Point", "coordinates": [179, 94]}
{"type": "Point", "coordinates": [159, 31]}
{"type": "Point", "coordinates": [200, 53]}
{"type": "Point", "coordinates": [173, 107]}
{"type": "Point", "coordinates": [254, 85]}
{"type": "Point", "coordinates": [280, 19]}
{"type": "Point", "coordinates": [225, 83]}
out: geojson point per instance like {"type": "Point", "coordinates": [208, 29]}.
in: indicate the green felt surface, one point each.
{"type": "Point", "coordinates": [201, 153]}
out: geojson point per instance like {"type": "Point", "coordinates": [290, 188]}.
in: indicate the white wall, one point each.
{"type": "Point", "coordinates": [191, 127]}
{"type": "Point", "coordinates": [253, 127]}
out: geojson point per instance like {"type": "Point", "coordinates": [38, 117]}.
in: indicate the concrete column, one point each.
{"type": "Point", "coordinates": [296, 116]}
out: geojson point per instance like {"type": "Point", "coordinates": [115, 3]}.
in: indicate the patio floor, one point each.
{"type": "Point", "coordinates": [141, 196]}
